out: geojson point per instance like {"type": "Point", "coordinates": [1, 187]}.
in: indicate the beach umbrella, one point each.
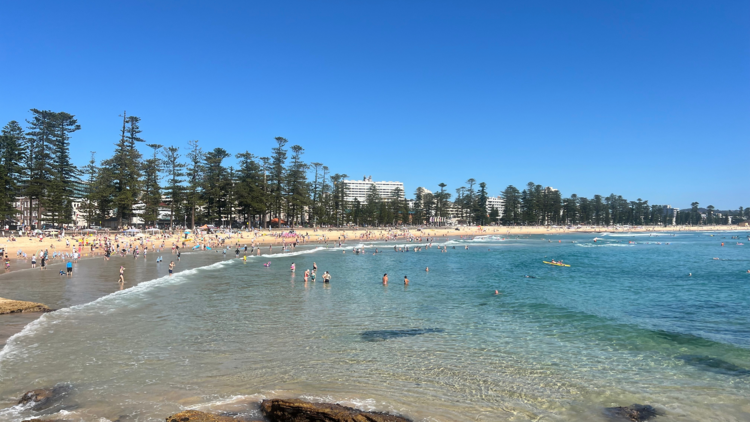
{"type": "Point", "coordinates": [88, 231]}
{"type": "Point", "coordinates": [188, 231]}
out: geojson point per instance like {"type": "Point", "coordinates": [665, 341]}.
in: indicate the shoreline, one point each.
{"type": "Point", "coordinates": [20, 320]}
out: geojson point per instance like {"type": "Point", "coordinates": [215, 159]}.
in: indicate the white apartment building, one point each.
{"type": "Point", "coordinates": [358, 189]}
{"type": "Point", "coordinates": [497, 203]}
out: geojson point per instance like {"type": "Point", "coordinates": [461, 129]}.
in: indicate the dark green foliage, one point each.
{"type": "Point", "coordinates": [205, 189]}
{"type": "Point", "coordinates": [12, 171]}
{"type": "Point", "coordinates": [151, 196]}
{"type": "Point", "coordinates": [124, 169]}
{"type": "Point", "coordinates": [174, 189]}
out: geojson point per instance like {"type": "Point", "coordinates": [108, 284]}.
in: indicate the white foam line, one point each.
{"type": "Point", "coordinates": [282, 255]}
{"type": "Point", "coordinates": [225, 401]}
{"type": "Point", "coordinates": [32, 327]}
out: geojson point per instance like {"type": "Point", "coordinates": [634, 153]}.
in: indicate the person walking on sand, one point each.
{"type": "Point", "coordinates": [122, 275]}
{"type": "Point", "coordinates": [385, 279]}
{"type": "Point", "coordinates": [171, 268]}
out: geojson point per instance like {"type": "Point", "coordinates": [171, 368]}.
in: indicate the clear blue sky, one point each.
{"type": "Point", "coordinates": [645, 99]}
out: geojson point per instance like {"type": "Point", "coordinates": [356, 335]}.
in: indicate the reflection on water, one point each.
{"type": "Point", "coordinates": [620, 326]}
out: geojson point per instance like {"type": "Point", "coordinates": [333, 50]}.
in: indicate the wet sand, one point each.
{"type": "Point", "coordinates": [92, 279]}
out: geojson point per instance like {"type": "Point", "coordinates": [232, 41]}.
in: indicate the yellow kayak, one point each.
{"type": "Point", "coordinates": [558, 265]}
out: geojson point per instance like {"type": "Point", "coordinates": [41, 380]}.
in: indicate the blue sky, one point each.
{"type": "Point", "coordinates": [642, 99]}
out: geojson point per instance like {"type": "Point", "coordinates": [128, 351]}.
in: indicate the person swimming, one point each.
{"type": "Point", "coordinates": [267, 264]}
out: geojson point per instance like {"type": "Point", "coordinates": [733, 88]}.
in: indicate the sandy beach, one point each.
{"type": "Point", "coordinates": [89, 245]}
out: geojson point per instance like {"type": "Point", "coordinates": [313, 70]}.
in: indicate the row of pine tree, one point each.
{"type": "Point", "coordinates": [198, 187]}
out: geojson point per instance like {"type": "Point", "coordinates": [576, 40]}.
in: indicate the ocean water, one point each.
{"type": "Point", "coordinates": [625, 324]}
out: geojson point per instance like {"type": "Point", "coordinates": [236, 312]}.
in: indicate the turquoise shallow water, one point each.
{"type": "Point", "coordinates": [624, 324]}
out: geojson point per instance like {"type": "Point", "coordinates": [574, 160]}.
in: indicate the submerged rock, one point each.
{"type": "Point", "coordinates": [279, 410]}
{"type": "Point", "coordinates": [44, 398]}
{"type": "Point", "coordinates": [9, 306]}
{"type": "Point", "coordinates": [196, 416]}
{"type": "Point", "coordinates": [716, 365]}
{"type": "Point", "coordinates": [382, 335]}
{"type": "Point", "coordinates": [635, 413]}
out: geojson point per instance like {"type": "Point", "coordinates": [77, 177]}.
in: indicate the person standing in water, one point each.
{"type": "Point", "coordinates": [292, 267]}
{"type": "Point", "coordinates": [122, 275]}
{"type": "Point", "coordinates": [406, 281]}
{"type": "Point", "coordinates": [171, 268]}
{"type": "Point", "coordinates": [385, 279]}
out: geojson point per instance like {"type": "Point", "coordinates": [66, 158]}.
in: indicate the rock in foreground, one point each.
{"type": "Point", "coordinates": [634, 413]}
{"type": "Point", "coordinates": [279, 410]}
{"type": "Point", "coordinates": [9, 306]}
{"type": "Point", "coordinates": [44, 398]}
{"type": "Point", "coordinates": [196, 416]}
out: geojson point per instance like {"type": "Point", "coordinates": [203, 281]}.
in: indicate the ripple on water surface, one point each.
{"type": "Point", "coordinates": [620, 326]}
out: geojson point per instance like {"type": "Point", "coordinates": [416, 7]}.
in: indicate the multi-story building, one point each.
{"type": "Point", "coordinates": [358, 189]}
{"type": "Point", "coordinates": [496, 203]}
{"type": "Point", "coordinates": [27, 211]}
{"type": "Point", "coordinates": [671, 213]}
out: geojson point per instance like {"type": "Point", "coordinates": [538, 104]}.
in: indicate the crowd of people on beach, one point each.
{"type": "Point", "coordinates": [242, 243]}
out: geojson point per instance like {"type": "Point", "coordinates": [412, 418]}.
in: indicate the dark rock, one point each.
{"type": "Point", "coordinates": [279, 410]}
{"type": "Point", "coordinates": [382, 335]}
{"type": "Point", "coordinates": [635, 413]}
{"type": "Point", "coordinates": [45, 420]}
{"type": "Point", "coordinates": [196, 416]}
{"type": "Point", "coordinates": [44, 398]}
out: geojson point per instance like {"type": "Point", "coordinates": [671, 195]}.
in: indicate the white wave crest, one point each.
{"type": "Point", "coordinates": [285, 254]}
{"type": "Point", "coordinates": [640, 234]}
{"type": "Point", "coordinates": [604, 245]}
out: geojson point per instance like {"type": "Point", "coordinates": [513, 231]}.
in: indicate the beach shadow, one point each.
{"type": "Point", "coordinates": [383, 335]}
